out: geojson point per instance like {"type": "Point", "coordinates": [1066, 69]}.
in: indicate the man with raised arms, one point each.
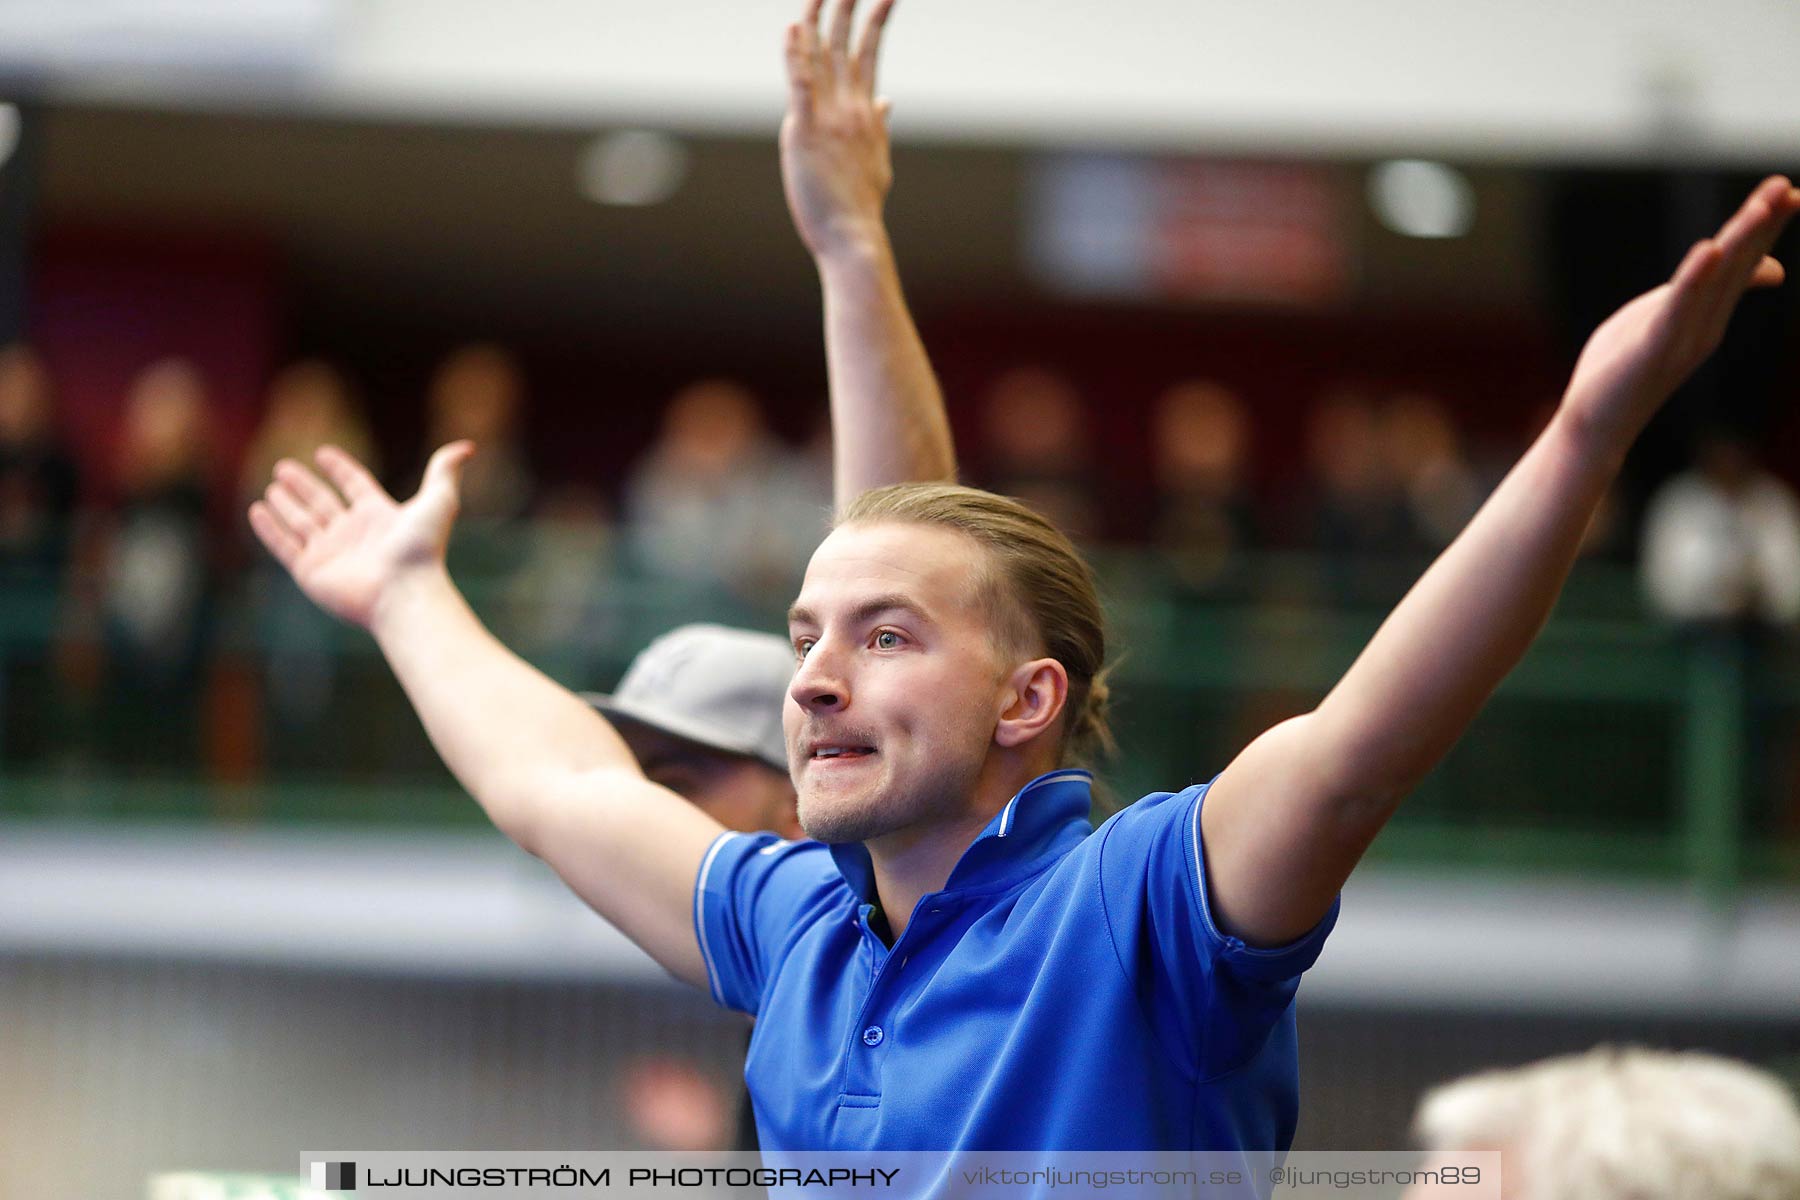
{"type": "Point", "coordinates": [959, 961]}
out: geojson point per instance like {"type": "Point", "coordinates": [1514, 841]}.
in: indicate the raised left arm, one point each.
{"type": "Point", "coordinates": [888, 423]}
{"type": "Point", "coordinates": [1289, 818]}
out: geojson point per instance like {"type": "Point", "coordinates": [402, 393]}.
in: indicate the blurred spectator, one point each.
{"type": "Point", "coordinates": [1036, 448]}
{"type": "Point", "coordinates": [478, 393]}
{"type": "Point", "coordinates": [1355, 515]}
{"type": "Point", "coordinates": [673, 1106]}
{"type": "Point", "coordinates": [555, 601]}
{"type": "Point", "coordinates": [39, 486]}
{"type": "Point", "coordinates": [1200, 457]}
{"type": "Point", "coordinates": [39, 489]}
{"type": "Point", "coordinates": [1356, 503]}
{"type": "Point", "coordinates": [1722, 541]}
{"type": "Point", "coordinates": [1425, 457]}
{"type": "Point", "coordinates": [310, 404]}
{"type": "Point", "coordinates": [1622, 1124]}
{"type": "Point", "coordinates": [156, 569]}
{"type": "Point", "coordinates": [700, 708]}
{"type": "Point", "coordinates": [801, 499]}
{"type": "Point", "coordinates": [717, 499]}
{"type": "Point", "coordinates": [1721, 558]}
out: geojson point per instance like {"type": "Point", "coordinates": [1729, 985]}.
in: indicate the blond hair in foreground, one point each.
{"type": "Point", "coordinates": [1624, 1123]}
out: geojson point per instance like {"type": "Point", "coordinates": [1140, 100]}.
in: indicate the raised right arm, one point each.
{"type": "Point", "coordinates": [548, 770]}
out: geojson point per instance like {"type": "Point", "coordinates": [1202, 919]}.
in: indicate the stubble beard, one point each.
{"type": "Point", "coordinates": [883, 807]}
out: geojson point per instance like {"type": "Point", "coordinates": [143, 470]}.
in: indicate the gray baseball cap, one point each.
{"type": "Point", "coordinates": [722, 688]}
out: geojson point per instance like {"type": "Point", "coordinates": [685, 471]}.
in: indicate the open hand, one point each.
{"type": "Point", "coordinates": [834, 139]}
{"type": "Point", "coordinates": [1647, 349]}
{"type": "Point", "coordinates": [348, 547]}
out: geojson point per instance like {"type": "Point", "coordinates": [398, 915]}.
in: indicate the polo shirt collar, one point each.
{"type": "Point", "coordinates": [1022, 832]}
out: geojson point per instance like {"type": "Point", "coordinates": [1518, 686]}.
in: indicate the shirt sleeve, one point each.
{"type": "Point", "coordinates": [1212, 998]}
{"type": "Point", "coordinates": [754, 895]}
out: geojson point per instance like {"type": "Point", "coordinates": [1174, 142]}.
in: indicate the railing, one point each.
{"type": "Point", "coordinates": [1618, 746]}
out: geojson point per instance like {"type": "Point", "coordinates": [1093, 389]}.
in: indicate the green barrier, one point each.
{"type": "Point", "coordinates": [1616, 746]}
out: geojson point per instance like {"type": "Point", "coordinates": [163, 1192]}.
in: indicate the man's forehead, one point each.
{"type": "Point", "coordinates": [935, 571]}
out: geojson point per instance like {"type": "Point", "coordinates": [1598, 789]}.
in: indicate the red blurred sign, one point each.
{"type": "Point", "coordinates": [1241, 231]}
{"type": "Point", "coordinates": [1215, 231]}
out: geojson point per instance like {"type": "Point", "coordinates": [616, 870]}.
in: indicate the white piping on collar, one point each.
{"type": "Point", "coordinates": [1006, 814]}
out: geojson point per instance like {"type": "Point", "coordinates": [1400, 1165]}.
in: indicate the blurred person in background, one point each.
{"type": "Point", "coordinates": [39, 482]}
{"type": "Point", "coordinates": [157, 571]}
{"type": "Point", "coordinates": [1721, 560]}
{"type": "Point", "coordinates": [673, 1105]}
{"type": "Point", "coordinates": [1200, 444]}
{"type": "Point", "coordinates": [700, 710]}
{"type": "Point", "coordinates": [1036, 448]}
{"type": "Point", "coordinates": [1425, 458]}
{"type": "Point", "coordinates": [1354, 514]}
{"type": "Point", "coordinates": [1721, 542]}
{"type": "Point", "coordinates": [308, 404]}
{"type": "Point", "coordinates": [39, 490]}
{"type": "Point", "coordinates": [1620, 1124]}
{"type": "Point", "coordinates": [477, 394]}
{"type": "Point", "coordinates": [553, 601]}
{"type": "Point", "coordinates": [711, 501]}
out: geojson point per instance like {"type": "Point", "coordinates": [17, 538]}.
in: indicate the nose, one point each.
{"type": "Point", "coordinates": [820, 684]}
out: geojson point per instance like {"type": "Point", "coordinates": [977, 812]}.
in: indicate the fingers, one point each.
{"type": "Point", "coordinates": [868, 49]}
{"type": "Point", "coordinates": [279, 539]}
{"type": "Point", "coordinates": [446, 465]}
{"type": "Point", "coordinates": [800, 75]}
{"type": "Point", "coordinates": [1769, 273]}
{"type": "Point", "coordinates": [292, 512]}
{"type": "Point", "coordinates": [1764, 199]}
{"type": "Point", "coordinates": [295, 508]}
{"type": "Point", "coordinates": [804, 33]}
{"type": "Point", "coordinates": [1694, 286]}
{"type": "Point", "coordinates": [1744, 244]}
{"type": "Point", "coordinates": [323, 503]}
{"type": "Point", "coordinates": [1751, 232]}
{"type": "Point", "coordinates": [842, 18]}
{"type": "Point", "coordinates": [350, 476]}
{"type": "Point", "coordinates": [1700, 262]}
{"type": "Point", "coordinates": [834, 61]}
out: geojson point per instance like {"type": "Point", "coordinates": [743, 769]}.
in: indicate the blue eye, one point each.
{"type": "Point", "coordinates": [887, 639]}
{"type": "Point", "coordinates": [801, 646]}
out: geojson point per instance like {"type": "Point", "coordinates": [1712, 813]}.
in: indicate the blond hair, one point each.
{"type": "Point", "coordinates": [1626, 1124]}
{"type": "Point", "coordinates": [1040, 591]}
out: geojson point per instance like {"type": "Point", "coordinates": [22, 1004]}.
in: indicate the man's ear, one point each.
{"type": "Point", "coordinates": [1037, 691]}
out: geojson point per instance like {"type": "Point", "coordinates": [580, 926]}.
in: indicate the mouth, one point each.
{"type": "Point", "coordinates": [840, 753]}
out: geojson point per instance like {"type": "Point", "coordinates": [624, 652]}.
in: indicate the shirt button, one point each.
{"type": "Point", "coordinates": [872, 1036]}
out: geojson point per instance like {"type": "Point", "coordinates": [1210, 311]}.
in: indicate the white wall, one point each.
{"type": "Point", "coordinates": [1486, 78]}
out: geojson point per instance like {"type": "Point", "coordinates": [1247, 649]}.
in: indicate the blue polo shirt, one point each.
{"type": "Point", "coordinates": [1066, 990]}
